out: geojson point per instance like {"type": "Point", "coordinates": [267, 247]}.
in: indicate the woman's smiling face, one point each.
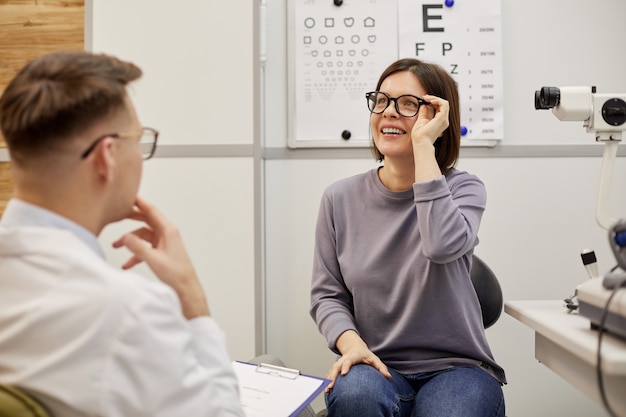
{"type": "Point", "coordinates": [391, 131]}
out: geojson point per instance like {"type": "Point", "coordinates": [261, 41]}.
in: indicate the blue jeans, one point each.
{"type": "Point", "coordinates": [455, 392]}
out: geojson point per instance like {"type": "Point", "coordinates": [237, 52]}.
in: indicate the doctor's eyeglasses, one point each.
{"type": "Point", "coordinates": [147, 141]}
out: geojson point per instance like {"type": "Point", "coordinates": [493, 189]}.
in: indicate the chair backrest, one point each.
{"type": "Point", "coordinates": [488, 290]}
{"type": "Point", "coordinates": [16, 403]}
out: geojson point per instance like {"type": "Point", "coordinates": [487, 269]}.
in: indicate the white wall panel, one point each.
{"type": "Point", "coordinates": [198, 60]}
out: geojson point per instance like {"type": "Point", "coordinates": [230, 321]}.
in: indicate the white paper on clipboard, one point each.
{"type": "Point", "coordinates": [275, 391]}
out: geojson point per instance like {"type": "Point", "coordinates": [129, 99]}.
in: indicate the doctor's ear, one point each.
{"type": "Point", "coordinates": [103, 160]}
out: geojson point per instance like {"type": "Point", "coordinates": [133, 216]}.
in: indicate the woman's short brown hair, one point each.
{"type": "Point", "coordinates": [57, 95]}
{"type": "Point", "coordinates": [437, 82]}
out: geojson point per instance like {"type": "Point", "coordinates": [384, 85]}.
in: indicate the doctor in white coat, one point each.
{"type": "Point", "coordinates": [82, 336]}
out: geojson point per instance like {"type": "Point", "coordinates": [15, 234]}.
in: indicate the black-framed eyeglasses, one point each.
{"type": "Point", "coordinates": [406, 105]}
{"type": "Point", "coordinates": [147, 141]}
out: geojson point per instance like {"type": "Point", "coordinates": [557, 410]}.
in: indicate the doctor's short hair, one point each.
{"type": "Point", "coordinates": [437, 82]}
{"type": "Point", "coordinates": [56, 96]}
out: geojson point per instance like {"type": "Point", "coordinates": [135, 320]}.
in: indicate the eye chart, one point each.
{"type": "Point", "coordinates": [464, 37]}
{"type": "Point", "coordinates": [337, 52]}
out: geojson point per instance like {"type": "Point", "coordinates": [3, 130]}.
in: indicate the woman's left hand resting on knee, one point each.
{"type": "Point", "coordinates": [353, 351]}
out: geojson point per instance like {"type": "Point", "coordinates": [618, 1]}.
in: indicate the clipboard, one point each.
{"type": "Point", "coordinates": [275, 391]}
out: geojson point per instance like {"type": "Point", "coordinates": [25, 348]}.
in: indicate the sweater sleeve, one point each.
{"type": "Point", "coordinates": [449, 211]}
{"type": "Point", "coordinates": [331, 301]}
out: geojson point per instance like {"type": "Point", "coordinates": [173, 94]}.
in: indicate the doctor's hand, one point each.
{"type": "Point", "coordinates": [353, 351]}
{"type": "Point", "coordinates": [431, 121]}
{"type": "Point", "coordinates": [160, 246]}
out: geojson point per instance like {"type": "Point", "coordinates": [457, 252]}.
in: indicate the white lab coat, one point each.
{"type": "Point", "coordinates": [89, 339]}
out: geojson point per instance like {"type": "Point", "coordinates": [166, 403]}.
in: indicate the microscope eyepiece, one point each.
{"type": "Point", "coordinates": [547, 98]}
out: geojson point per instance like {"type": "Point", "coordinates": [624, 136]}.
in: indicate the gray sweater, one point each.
{"type": "Point", "coordinates": [394, 266]}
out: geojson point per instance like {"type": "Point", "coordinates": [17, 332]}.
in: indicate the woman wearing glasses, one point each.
{"type": "Point", "coordinates": [391, 289]}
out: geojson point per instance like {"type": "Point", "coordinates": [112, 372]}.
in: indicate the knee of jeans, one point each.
{"type": "Point", "coordinates": [358, 397]}
{"type": "Point", "coordinates": [360, 381]}
{"type": "Point", "coordinates": [363, 385]}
